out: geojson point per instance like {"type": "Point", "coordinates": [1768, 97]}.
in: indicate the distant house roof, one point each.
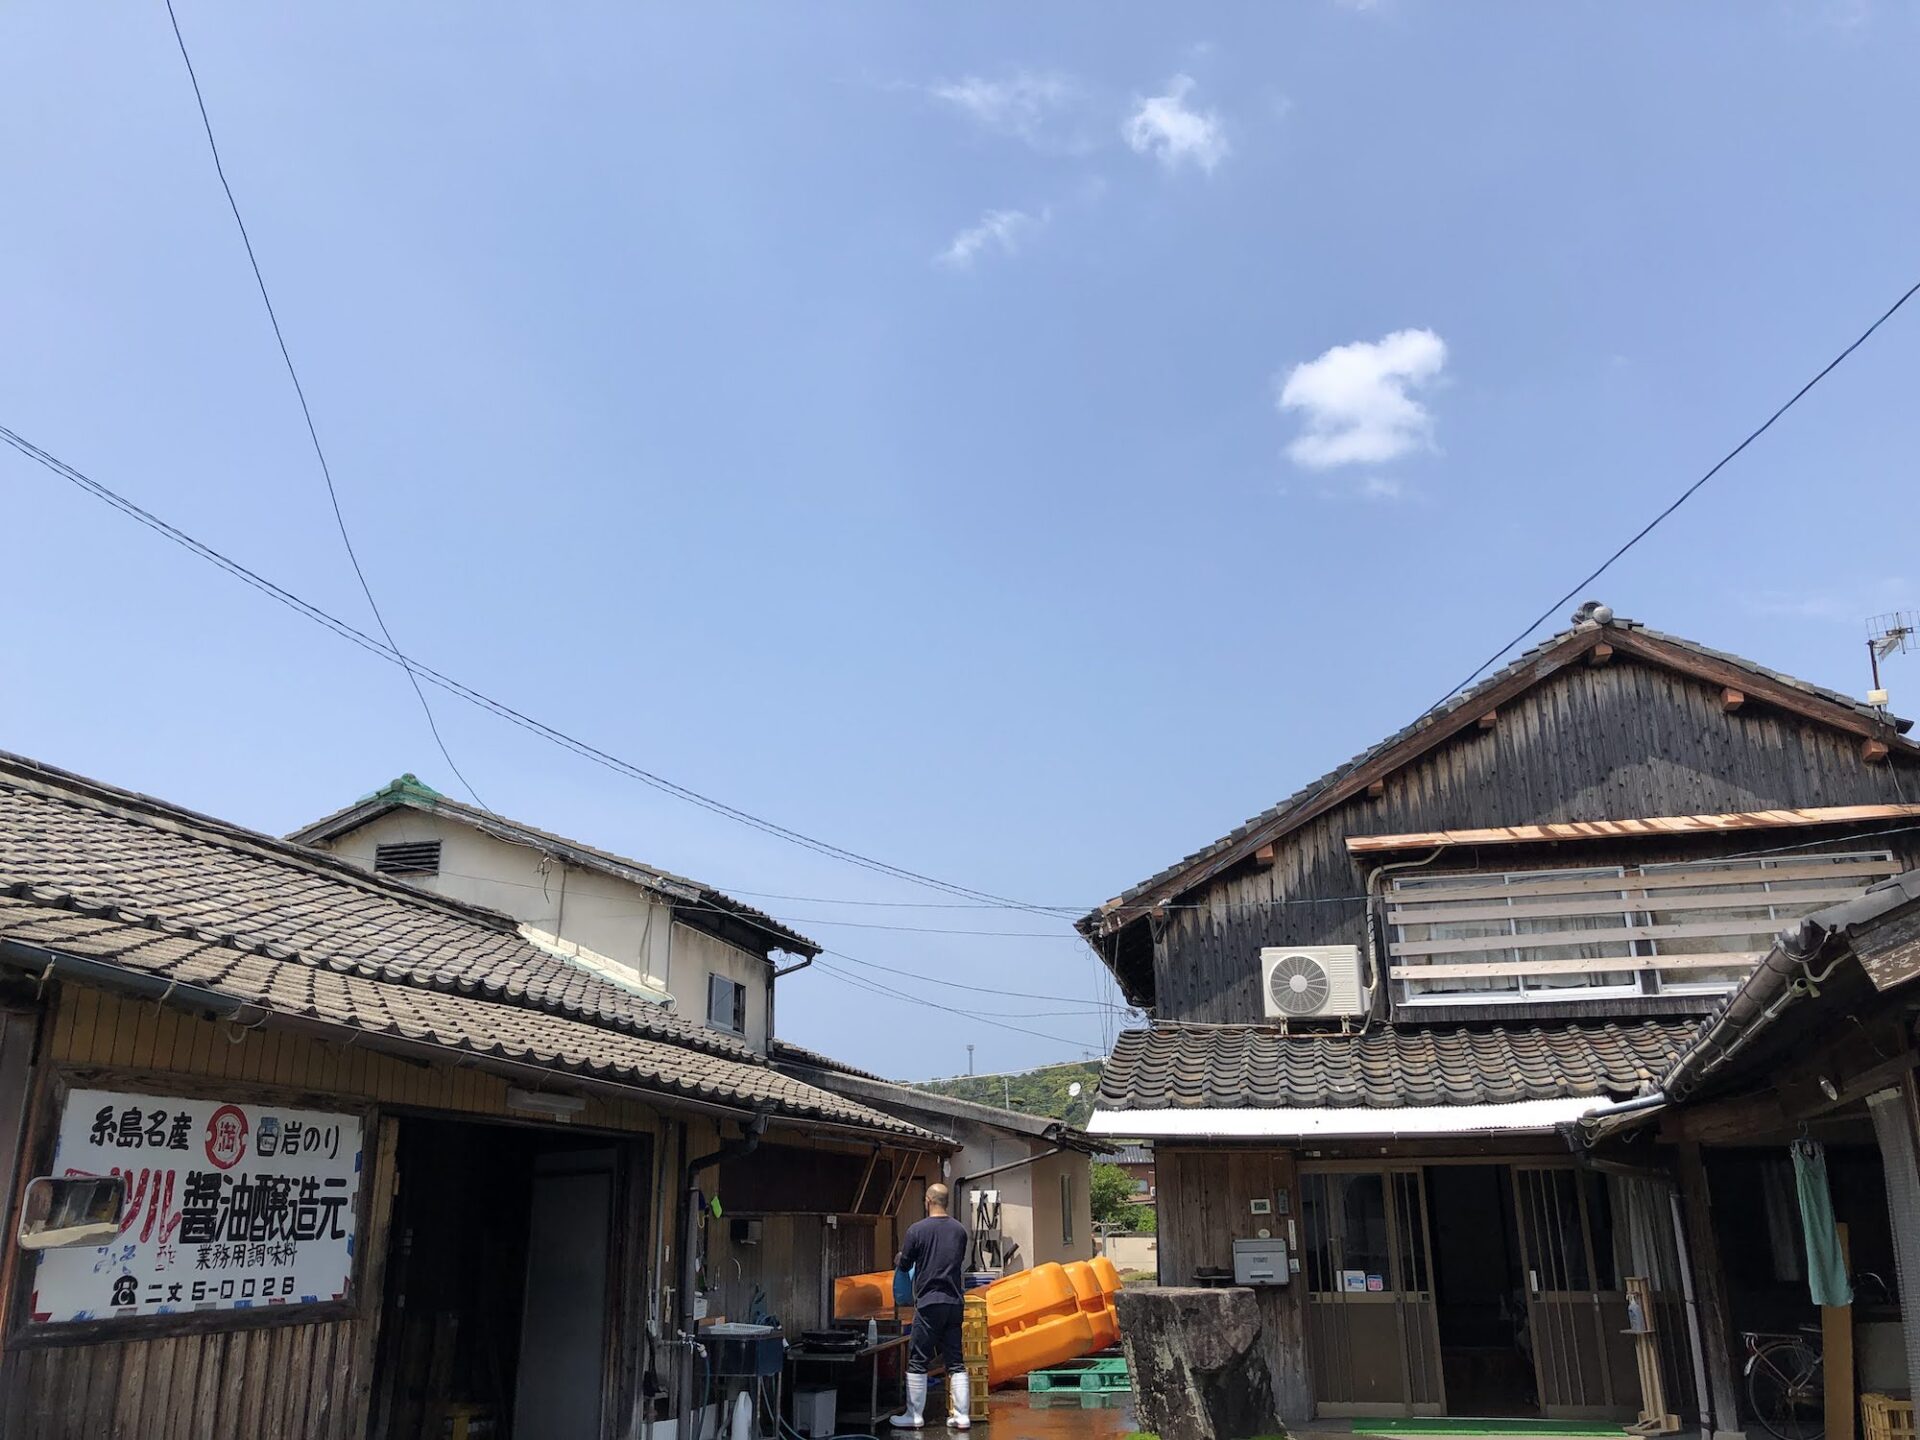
{"type": "Point", "coordinates": [1457, 713]}
{"type": "Point", "coordinates": [1127, 1155]}
{"type": "Point", "coordinates": [138, 894]}
{"type": "Point", "coordinates": [1383, 1068]}
{"type": "Point", "coordinates": [899, 1099]}
{"type": "Point", "coordinates": [801, 1056]}
{"type": "Point", "coordinates": [408, 793]}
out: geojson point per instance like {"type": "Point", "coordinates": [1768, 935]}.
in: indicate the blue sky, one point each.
{"type": "Point", "coordinates": [872, 416]}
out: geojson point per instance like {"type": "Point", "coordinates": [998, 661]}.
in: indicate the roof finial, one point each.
{"type": "Point", "coordinates": [1593, 613]}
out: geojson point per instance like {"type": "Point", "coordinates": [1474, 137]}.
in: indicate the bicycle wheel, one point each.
{"type": "Point", "coordinates": [1787, 1391]}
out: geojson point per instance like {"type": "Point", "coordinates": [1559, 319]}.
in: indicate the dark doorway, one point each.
{"type": "Point", "coordinates": [1486, 1351]}
{"type": "Point", "coordinates": [496, 1303]}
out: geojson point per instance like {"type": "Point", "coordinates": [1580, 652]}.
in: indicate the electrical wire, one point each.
{"type": "Point", "coordinates": [1684, 496]}
{"type": "Point", "coordinates": [306, 411]}
{"type": "Point", "coordinates": [860, 983]}
{"type": "Point", "coordinates": [552, 734]}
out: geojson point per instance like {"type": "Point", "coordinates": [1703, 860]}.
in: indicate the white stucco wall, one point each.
{"type": "Point", "coordinates": [1029, 1196]}
{"type": "Point", "coordinates": [614, 917]}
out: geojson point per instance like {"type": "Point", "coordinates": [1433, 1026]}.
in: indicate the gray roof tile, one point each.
{"type": "Point", "coordinates": [1254, 1068]}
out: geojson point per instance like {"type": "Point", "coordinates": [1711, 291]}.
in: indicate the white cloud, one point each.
{"type": "Point", "coordinates": [1168, 129]}
{"type": "Point", "coordinates": [1023, 105]}
{"type": "Point", "coordinates": [1356, 404]}
{"type": "Point", "coordinates": [1000, 230]}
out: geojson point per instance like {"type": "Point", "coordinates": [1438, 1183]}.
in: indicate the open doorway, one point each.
{"type": "Point", "coordinates": [1486, 1345]}
{"type": "Point", "coordinates": [498, 1299]}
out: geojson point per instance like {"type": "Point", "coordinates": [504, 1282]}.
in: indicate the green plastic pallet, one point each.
{"type": "Point", "coordinates": [1082, 1375]}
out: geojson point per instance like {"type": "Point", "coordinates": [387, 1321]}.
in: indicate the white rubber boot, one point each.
{"type": "Point", "coordinates": [915, 1415]}
{"type": "Point", "coordinates": [959, 1394]}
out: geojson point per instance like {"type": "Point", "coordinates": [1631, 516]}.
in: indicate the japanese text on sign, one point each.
{"type": "Point", "coordinates": [229, 1205]}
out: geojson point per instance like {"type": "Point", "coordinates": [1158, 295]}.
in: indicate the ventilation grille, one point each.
{"type": "Point", "coordinates": [1298, 986]}
{"type": "Point", "coordinates": [413, 857]}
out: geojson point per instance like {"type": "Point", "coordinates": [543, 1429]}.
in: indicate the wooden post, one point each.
{"type": "Point", "coordinates": [1836, 1336]}
{"type": "Point", "coordinates": [1710, 1286]}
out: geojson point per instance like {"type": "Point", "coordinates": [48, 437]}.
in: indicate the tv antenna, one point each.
{"type": "Point", "coordinates": [1895, 633]}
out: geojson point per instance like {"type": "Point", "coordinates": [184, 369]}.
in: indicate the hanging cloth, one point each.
{"type": "Point", "coordinates": [1783, 1219]}
{"type": "Point", "coordinates": [1897, 1152]}
{"type": "Point", "coordinates": [1826, 1268]}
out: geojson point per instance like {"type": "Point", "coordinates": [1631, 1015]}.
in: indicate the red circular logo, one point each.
{"type": "Point", "coordinates": [227, 1136]}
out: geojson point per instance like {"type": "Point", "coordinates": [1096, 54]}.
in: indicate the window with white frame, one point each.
{"type": "Point", "coordinates": [726, 1005]}
{"type": "Point", "coordinates": [1692, 927]}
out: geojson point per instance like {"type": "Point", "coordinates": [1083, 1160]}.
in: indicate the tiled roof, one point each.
{"type": "Point", "coordinates": [1128, 1155]}
{"type": "Point", "coordinates": [409, 793]}
{"type": "Point", "coordinates": [1255, 1068]}
{"type": "Point", "coordinates": [1526, 661]}
{"type": "Point", "coordinates": [786, 1052]}
{"type": "Point", "coordinates": [155, 891]}
{"type": "Point", "coordinates": [76, 838]}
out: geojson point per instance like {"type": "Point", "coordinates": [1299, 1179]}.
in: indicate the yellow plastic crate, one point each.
{"type": "Point", "coordinates": [977, 1395]}
{"type": "Point", "coordinates": [973, 1331]}
{"type": "Point", "coordinates": [1884, 1418]}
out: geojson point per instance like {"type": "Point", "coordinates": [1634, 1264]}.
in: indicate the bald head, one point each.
{"type": "Point", "coordinates": [938, 1198]}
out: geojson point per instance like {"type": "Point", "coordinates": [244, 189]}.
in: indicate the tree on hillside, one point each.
{"type": "Point", "coordinates": [1111, 1194]}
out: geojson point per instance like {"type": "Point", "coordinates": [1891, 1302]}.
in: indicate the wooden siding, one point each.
{"type": "Point", "coordinates": [1205, 1206]}
{"type": "Point", "coordinates": [1623, 739]}
{"type": "Point", "coordinates": [291, 1379]}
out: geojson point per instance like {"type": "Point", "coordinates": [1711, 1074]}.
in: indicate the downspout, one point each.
{"type": "Point", "coordinates": [689, 1335]}
{"type": "Point", "coordinates": [1375, 948]}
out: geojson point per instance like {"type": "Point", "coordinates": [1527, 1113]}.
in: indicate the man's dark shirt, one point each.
{"type": "Point", "coordinates": [935, 1250]}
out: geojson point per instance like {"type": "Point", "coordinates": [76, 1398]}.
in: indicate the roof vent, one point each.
{"type": "Point", "coordinates": [410, 857]}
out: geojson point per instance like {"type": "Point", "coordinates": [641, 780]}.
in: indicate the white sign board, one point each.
{"type": "Point", "coordinates": [230, 1205]}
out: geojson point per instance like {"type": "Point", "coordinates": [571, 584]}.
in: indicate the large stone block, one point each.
{"type": "Point", "coordinates": [1199, 1371]}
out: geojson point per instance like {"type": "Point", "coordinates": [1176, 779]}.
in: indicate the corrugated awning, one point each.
{"type": "Point", "coordinates": [1656, 825]}
{"type": "Point", "coordinates": [1523, 1117]}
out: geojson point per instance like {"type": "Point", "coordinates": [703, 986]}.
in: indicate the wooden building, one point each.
{"type": "Point", "coordinates": [1377, 1006]}
{"type": "Point", "coordinates": [384, 1163]}
{"type": "Point", "coordinates": [1818, 1045]}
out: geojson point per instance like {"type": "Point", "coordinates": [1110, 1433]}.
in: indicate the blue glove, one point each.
{"type": "Point", "coordinates": [903, 1287]}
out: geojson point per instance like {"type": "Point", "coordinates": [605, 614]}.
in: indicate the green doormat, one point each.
{"type": "Point", "coordinates": [1467, 1425]}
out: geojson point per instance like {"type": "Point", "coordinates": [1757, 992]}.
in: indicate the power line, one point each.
{"type": "Point", "coordinates": [313, 433]}
{"type": "Point", "coordinates": [387, 652]}
{"type": "Point", "coordinates": [861, 983]}
{"type": "Point", "coordinates": [1684, 496]}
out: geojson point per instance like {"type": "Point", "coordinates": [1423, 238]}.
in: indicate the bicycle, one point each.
{"type": "Point", "coordinates": [1786, 1385]}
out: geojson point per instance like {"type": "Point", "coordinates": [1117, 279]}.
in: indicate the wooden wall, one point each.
{"type": "Point", "coordinates": [1615, 741]}
{"type": "Point", "coordinates": [309, 1379]}
{"type": "Point", "coordinates": [1205, 1200]}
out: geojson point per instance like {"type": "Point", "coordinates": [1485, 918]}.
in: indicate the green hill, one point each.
{"type": "Point", "coordinates": [1038, 1092]}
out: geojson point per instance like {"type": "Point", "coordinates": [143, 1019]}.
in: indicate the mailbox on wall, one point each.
{"type": "Point", "coordinates": [1260, 1262]}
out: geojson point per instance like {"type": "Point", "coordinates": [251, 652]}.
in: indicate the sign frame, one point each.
{"type": "Point", "coordinates": [54, 1086]}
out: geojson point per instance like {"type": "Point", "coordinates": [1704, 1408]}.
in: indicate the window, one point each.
{"type": "Point", "coordinates": [407, 857]}
{"type": "Point", "coordinates": [1696, 927]}
{"type": "Point", "coordinates": [1066, 1209]}
{"type": "Point", "coordinates": [726, 1004]}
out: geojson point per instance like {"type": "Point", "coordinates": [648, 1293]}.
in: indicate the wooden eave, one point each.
{"type": "Point", "coordinates": [1630, 829]}
{"type": "Point", "coordinates": [1617, 640]}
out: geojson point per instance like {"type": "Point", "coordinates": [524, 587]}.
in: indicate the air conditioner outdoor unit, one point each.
{"type": "Point", "coordinates": [1311, 982]}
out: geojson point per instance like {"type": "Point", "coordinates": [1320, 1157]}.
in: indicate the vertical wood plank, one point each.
{"type": "Point", "coordinates": [131, 1392]}
{"type": "Point", "coordinates": [146, 1024]}
{"type": "Point", "coordinates": [353, 1417]}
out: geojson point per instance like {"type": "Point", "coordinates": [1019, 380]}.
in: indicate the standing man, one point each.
{"type": "Point", "coordinates": [935, 1250]}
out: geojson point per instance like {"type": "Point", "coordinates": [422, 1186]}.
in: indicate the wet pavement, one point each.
{"type": "Point", "coordinates": [1018, 1416]}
